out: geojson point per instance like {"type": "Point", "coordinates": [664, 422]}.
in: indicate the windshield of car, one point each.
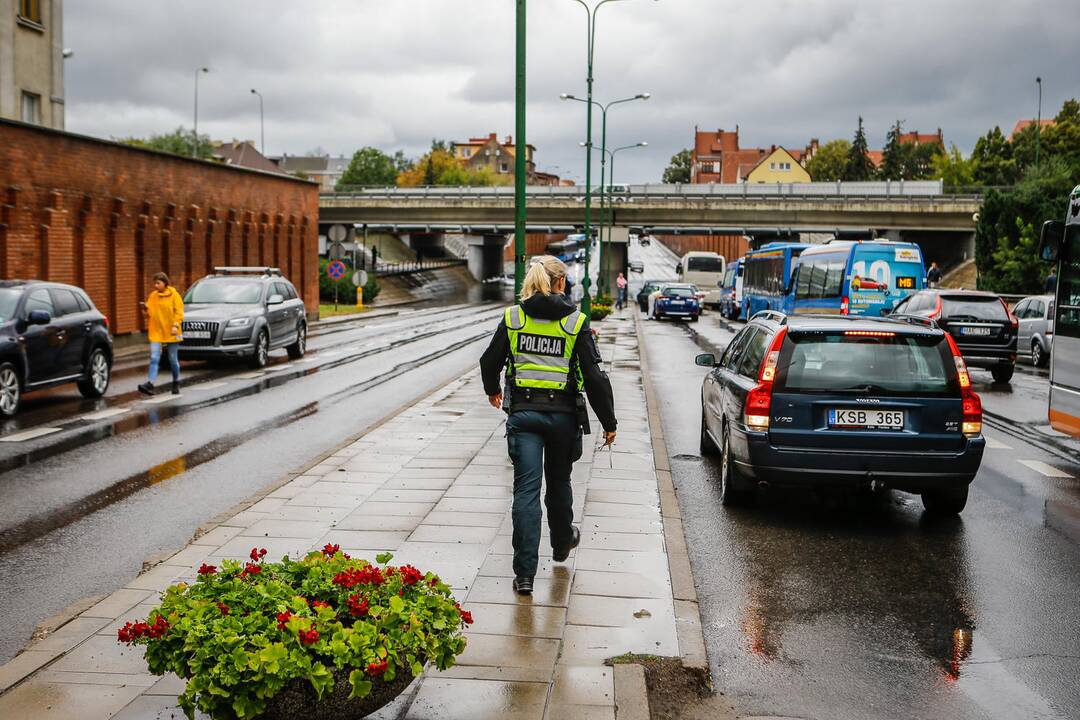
{"type": "Point", "coordinates": [679, 292]}
{"type": "Point", "coordinates": [893, 364]}
{"type": "Point", "coordinates": [9, 300]}
{"type": "Point", "coordinates": [972, 307]}
{"type": "Point", "coordinates": [231, 291]}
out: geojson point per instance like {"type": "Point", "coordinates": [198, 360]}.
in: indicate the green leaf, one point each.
{"type": "Point", "coordinates": [273, 656]}
{"type": "Point", "coordinates": [383, 558]}
{"type": "Point", "coordinates": [361, 686]}
{"type": "Point", "coordinates": [321, 679]}
{"type": "Point", "coordinates": [396, 604]}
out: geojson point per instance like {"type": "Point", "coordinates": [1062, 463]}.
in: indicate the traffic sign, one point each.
{"type": "Point", "coordinates": [359, 278]}
{"type": "Point", "coordinates": [335, 251]}
{"type": "Point", "coordinates": [336, 270]}
{"type": "Point", "coordinates": [337, 233]}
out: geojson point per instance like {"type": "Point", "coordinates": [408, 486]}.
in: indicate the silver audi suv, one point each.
{"type": "Point", "coordinates": [243, 313]}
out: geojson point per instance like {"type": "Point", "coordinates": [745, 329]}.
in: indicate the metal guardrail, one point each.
{"type": "Point", "coordinates": [408, 268]}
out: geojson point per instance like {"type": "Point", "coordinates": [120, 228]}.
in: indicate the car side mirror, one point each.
{"type": "Point", "coordinates": [1050, 239]}
{"type": "Point", "coordinates": [38, 317]}
{"type": "Point", "coordinates": [276, 299]}
{"type": "Point", "coordinates": [705, 360]}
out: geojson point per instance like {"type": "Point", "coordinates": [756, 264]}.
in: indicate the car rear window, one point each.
{"type": "Point", "coordinates": [680, 292]}
{"type": "Point", "coordinates": [231, 291]}
{"type": "Point", "coordinates": [893, 365]}
{"type": "Point", "coordinates": [969, 307]}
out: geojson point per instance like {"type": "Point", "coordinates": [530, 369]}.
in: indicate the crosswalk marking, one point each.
{"type": "Point", "coordinates": [996, 444]}
{"type": "Point", "coordinates": [1047, 470]}
{"type": "Point", "coordinates": [160, 399]}
{"type": "Point", "coordinates": [29, 434]}
{"type": "Point", "coordinates": [103, 414]}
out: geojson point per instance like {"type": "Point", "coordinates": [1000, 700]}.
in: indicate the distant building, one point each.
{"type": "Point", "coordinates": [499, 157]}
{"type": "Point", "coordinates": [1023, 124]}
{"type": "Point", "coordinates": [778, 166]}
{"type": "Point", "coordinates": [718, 158]}
{"type": "Point", "coordinates": [324, 169]}
{"type": "Point", "coordinates": [243, 154]}
{"type": "Point", "coordinates": [32, 61]}
{"type": "Point", "coordinates": [910, 138]}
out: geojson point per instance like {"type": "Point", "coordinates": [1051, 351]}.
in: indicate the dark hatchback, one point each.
{"type": "Point", "coordinates": [843, 401]}
{"type": "Point", "coordinates": [647, 289]}
{"type": "Point", "coordinates": [50, 334]}
{"type": "Point", "coordinates": [980, 322]}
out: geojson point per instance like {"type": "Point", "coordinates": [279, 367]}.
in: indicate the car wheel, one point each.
{"type": "Point", "coordinates": [1038, 357]}
{"type": "Point", "coordinates": [262, 350]}
{"type": "Point", "coordinates": [10, 390]}
{"type": "Point", "coordinates": [707, 446]}
{"type": "Point", "coordinates": [96, 380]}
{"type": "Point", "coordinates": [1003, 373]}
{"type": "Point", "coordinates": [730, 493]}
{"type": "Point", "coordinates": [298, 348]}
{"type": "Point", "coordinates": [949, 501]}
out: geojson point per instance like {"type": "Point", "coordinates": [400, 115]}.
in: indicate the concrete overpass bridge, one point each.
{"type": "Point", "coordinates": [918, 211]}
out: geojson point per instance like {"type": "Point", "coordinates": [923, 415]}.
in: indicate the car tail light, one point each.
{"type": "Point", "coordinates": [759, 399]}
{"type": "Point", "coordinates": [107, 323]}
{"type": "Point", "coordinates": [844, 305]}
{"type": "Point", "coordinates": [1012, 318]}
{"type": "Point", "coordinates": [971, 422]}
{"type": "Point", "coordinates": [936, 314]}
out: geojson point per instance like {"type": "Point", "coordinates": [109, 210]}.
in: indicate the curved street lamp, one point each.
{"type": "Point", "coordinates": [262, 124]}
{"type": "Point", "coordinates": [195, 147]}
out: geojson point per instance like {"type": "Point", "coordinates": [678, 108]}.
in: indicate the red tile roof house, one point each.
{"type": "Point", "coordinates": [717, 157]}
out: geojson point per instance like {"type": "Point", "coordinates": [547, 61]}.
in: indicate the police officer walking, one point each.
{"type": "Point", "coordinates": [548, 351]}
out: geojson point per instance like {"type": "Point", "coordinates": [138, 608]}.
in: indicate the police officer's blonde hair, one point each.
{"type": "Point", "coordinates": [544, 272]}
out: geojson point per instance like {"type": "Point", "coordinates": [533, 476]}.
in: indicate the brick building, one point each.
{"type": "Point", "coordinates": [32, 61]}
{"type": "Point", "coordinates": [499, 157]}
{"type": "Point", "coordinates": [106, 216]}
{"type": "Point", "coordinates": [717, 157]}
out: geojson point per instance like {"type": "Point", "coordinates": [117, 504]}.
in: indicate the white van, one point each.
{"type": "Point", "coordinates": [706, 270]}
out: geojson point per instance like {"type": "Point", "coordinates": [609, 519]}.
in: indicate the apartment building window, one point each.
{"type": "Point", "coordinates": [31, 108]}
{"type": "Point", "coordinates": [504, 168]}
{"type": "Point", "coordinates": [30, 10]}
{"type": "Point", "coordinates": [772, 166]}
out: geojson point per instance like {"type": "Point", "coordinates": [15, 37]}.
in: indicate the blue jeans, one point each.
{"type": "Point", "coordinates": [541, 443]}
{"type": "Point", "coordinates": [173, 351]}
{"type": "Point", "coordinates": [621, 297]}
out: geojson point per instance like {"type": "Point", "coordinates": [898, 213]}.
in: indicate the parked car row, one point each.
{"type": "Point", "coordinates": [53, 334]}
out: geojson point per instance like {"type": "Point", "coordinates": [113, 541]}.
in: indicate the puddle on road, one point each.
{"type": "Point", "coordinates": [36, 527]}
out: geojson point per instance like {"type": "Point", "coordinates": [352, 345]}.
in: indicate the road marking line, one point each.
{"type": "Point", "coordinates": [102, 414]}
{"type": "Point", "coordinates": [208, 386]}
{"type": "Point", "coordinates": [159, 400]}
{"type": "Point", "coordinates": [250, 375]}
{"type": "Point", "coordinates": [996, 444]}
{"type": "Point", "coordinates": [29, 434]}
{"type": "Point", "coordinates": [1047, 470]}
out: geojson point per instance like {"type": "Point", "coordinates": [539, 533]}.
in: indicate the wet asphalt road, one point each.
{"type": "Point", "coordinates": [838, 607]}
{"type": "Point", "coordinates": [79, 522]}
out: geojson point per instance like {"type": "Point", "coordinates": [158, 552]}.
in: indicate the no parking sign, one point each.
{"type": "Point", "coordinates": [336, 270]}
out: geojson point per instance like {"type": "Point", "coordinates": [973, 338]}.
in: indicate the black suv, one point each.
{"type": "Point", "coordinates": [243, 312]}
{"type": "Point", "coordinates": [980, 322]}
{"type": "Point", "coordinates": [50, 334]}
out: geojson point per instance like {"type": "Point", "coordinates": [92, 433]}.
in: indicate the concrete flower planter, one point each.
{"type": "Point", "coordinates": [297, 700]}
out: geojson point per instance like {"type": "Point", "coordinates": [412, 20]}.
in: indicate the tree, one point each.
{"type": "Point", "coordinates": [952, 169]}
{"type": "Point", "coordinates": [678, 170]}
{"type": "Point", "coordinates": [1062, 139]}
{"type": "Point", "coordinates": [893, 159]}
{"type": "Point", "coordinates": [919, 160]}
{"type": "Point", "coordinates": [369, 166]}
{"type": "Point", "coordinates": [178, 142]}
{"type": "Point", "coordinates": [829, 161]}
{"type": "Point", "coordinates": [440, 167]}
{"type": "Point", "coordinates": [859, 166]}
{"type": "Point", "coordinates": [992, 161]}
{"type": "Point", "coordinates": [401, 162]}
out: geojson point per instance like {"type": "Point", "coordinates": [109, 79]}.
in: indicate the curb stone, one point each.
{"type": "Point", "coordinates": [631, 694]}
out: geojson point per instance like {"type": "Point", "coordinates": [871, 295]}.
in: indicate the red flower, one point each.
{"type": "Point", "coordinates": [282, 618]}
{"type": "Point", "coordinates": [205, 569]}
{"type": "Point", "coordinates": [377, 668]}
{"type": "Point", "coordinates": [330, 550]}
{"type": "Point", "coordinates": [357, 608]}
{"type": "Point", "coordinates": [309, 637]}
{"type": "Point", "coordinates": [319, 603]}
{"type": "Point", "coordinates": [433, 581]}
{"type": "Point", "coordinates": [367, 575]}
{"type": "Point", "coordinates": [410, 575]}
{"type": "Point", "coordinates": [251, 569]}
{"type": "Point", "coordinates": [257, 554]}
{"type": "Point", "coordinates": [466, 617]}
{"type": "Point", "coordinates": [223, 608]}
{"type": "Point", "coordinates": [347, 556]}
{"type": "Point", "coordinates": [133, 631]}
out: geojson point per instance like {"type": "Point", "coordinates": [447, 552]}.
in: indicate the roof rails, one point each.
{"type": "Point", "coordinates": [775, 315]}
{"type": "Point", "coordinates": [247, 270]}
{"type": "Point", "coordinates": [913, 320]}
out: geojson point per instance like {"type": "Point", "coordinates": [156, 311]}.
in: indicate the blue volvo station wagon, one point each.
{"type": "Point", "coordinates": [843, 401]}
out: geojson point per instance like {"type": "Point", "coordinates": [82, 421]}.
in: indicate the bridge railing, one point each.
{"type": "Point", "coordinates": [415, 266]}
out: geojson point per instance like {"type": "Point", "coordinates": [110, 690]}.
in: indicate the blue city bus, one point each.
{"type": "Point", "coordinates": [572, 249]}
{"type": "Point", "coordinates": [767, 277]}
{"type": "Point", "coordinates": [856, 277]}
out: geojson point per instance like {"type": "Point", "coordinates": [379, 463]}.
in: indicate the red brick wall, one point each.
{"type": "Point", "coordinates": [106, 217]}
{"type": "Point", "coordinates": [535, 243]}
{"type": "Point", "coordinates": [730, 246]}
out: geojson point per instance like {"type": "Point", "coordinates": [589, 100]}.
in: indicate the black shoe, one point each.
{"type": "Point", "coordinates": [175, 387]}
{"type": "Point", "coordinates": [523, 585]}
{"type": "Point", "coordinates": [147, 388]}
{"type": "Point", "coordinates": [560, 554]}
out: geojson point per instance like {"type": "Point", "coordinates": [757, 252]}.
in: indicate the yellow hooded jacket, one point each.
{"type": "Point", "coordinates": [165, 312]}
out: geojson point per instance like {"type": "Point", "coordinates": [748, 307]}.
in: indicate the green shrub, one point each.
{"type": "Point", "coordinates": [599, 312]}
{"type": "Point", "coordinates": [346, 291]}
{"type": "Point", "coordinates": [241, 633]}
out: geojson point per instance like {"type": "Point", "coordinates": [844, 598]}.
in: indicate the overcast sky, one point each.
{"type": "Point", "coordinates": [396, 73]}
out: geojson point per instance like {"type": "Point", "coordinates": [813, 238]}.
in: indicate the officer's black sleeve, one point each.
{"type": "Point", "coordinates": [597, 385]}
{"type": "Point", "coordinates": [494, 359]}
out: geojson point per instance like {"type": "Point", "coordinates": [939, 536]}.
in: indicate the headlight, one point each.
{"type": "Point", "coordinates": [239, 322]}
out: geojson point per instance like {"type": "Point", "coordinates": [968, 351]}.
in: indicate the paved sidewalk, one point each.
{"type": "Point", "coordinates": [433, 486]}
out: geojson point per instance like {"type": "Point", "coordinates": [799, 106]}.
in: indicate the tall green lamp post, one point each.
{"type": "Point", "coordinates": [519, 152]}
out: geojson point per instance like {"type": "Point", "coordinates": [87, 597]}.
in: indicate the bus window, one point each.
{"type": "Point", "coordinates": [704, 263]}
{"type": "Point", "coordinates": [1068, 294]}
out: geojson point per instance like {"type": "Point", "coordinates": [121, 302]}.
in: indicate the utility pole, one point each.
{"type": "Point", "coordinates": [262, 124]}
{"type": "Point", "coordinates": [1038, 122]}
{"type": "Point", "coordinates": [519, 152]}
{"type": "Point", "coordinates": [195, 147]}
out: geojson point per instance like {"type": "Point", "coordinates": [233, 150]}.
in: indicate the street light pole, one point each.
{"type": "Point", "coordinates": [1038, 122]}
{"type": "Point", "coordinates": [195, 147]}
{"type": "Point", "coordinates": [605, 258]}
{"type": "Point", "coordinates": [262, 124]}
{"type": "Point", "coordinates": [519, 152]}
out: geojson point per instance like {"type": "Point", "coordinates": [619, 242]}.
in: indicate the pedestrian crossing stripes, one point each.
{"type": "Point", "coordinates": [103, 414]}
{"type": "Point", "coordinates": [1044, 469]}
{"type": "Point", "coordinates": [996, 444]}
{"type": "Point", "coordinates": [160, 399]}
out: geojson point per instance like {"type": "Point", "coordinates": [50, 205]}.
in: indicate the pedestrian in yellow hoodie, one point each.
{"type": "Point", "coordinates": [164, 311]}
